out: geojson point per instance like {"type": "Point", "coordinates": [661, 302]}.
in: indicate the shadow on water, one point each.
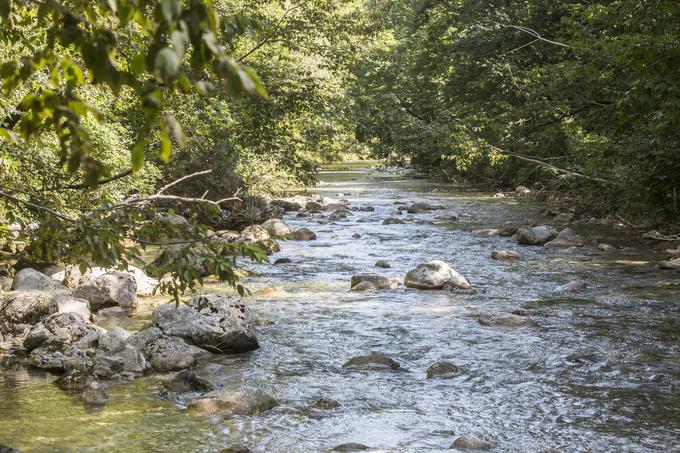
{"type": "Point", "coordinates": [599, 373]}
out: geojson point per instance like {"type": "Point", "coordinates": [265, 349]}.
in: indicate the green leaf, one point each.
{"type": "Point", "coordinates": [171, 9]}
{"type": "Point", "coordinates": [137, 156]}
{"type": "Point", "coordinates": [5, 8]}
{"type": "Point", "coordinates": [138, 64]}
{"type": "Point", "coordinates": [166, 148]}
{"type": "Point", "coordinates": [167, 64]}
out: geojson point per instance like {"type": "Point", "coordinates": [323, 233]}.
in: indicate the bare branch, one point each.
{"type": "Point", "coordinates": [183, 178]}
{"type": "Point", "coordinates": [531, 32]}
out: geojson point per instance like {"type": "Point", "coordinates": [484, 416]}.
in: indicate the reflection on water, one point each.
{"type": "Point", "coordinates": [600, 373]}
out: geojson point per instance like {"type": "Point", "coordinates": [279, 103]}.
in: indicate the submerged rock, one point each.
{"type": "Point", "coordinates": [325, 404]}
{"type": "Point", "coordinates": [350, 446]}
{"type": "Point", "coordinates": [112, 289]}
{"type": "Point", "coordinates": [392, 221]}
{"type": "Point", "coordinates": [469, 443]}
{"type": "Point", "coordinates": [505, 255]}
{"type": "Point", "coordinates": [364, 282]}
{"type": "Point", "coordinates": [94, 394]}
{"type": "Point", "coordinates": [215, 323]}
{"type": "Point", "coordinates": [506, 320]}
{"type": "Point", "coordinates": [229, 403]}
{"type": "Point", "coordinates": [537, 235]}
{"type": "Point", "coordinates": [573, 285]}
{"type": "Point", "coordinates": [372, 362]}
{"type": "Point", "coordinates": [187, 381]}
{"type": "Point", "coordinates": [435, 275]}
{"type": "Point", "coordinates": [383, 264]}
{"type": "Point", "coordinates": [283, 261]}
{"type": "Point", "coordinates": [565, 239]}
{"type": "Point", "coordinates": [74, 380]}
{"type": "Point", "coordinates": [442, 369]}
{"type": "Point", "coordinates": [304, 234]}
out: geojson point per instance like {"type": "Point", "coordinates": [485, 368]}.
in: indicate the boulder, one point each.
{"type": "Point", "coordinates": [30, 279]}
{"type": "Point", "coordinates": [304, 234]}
{"type": "Point", "coordinates": [276, 228]}
{"type": "Point", "coordinates": [230, 403]}
{"type": "Point", "coordinates": [340, 214]}
{"type": "Point", "coordinates": [372, 362]}
{"type": "Point", "coordinates": [72, 277]}
{"type": "Point", "coordinates": [166, 353]}
{"type": "Point", "coordinates": [115, 355]}
{"type": "Point", "coordinates": [509, 229]}
{"type": "Point", "coordinates": [415, 208]}
{"type": "Point", "coordinates": [435, 275]}
{"type": "Point", "coordinates": [469, 443]}
{"type": "Point", "coordinates": [506, 320]}
{"type": "Point", "coordinates": [505, 255]}
{"type": "Point", "coordinates": [374, 280]}
{"type": "Point", "coordinates": [442, 369]}
{"type": "Point", "coordinates": [537, 235]}
{"type": "Point", "coordinates": [256, 234]}
{"type": "Point", "coordinates": [283, 261]}
{"type": "Point", "coordinates": [392, 221]}
{"type": "Point", "coordinates": [30, 306]}
{"type": "Point", "coordinates": [64, 341]}
{"type": "Point", "coordinates": [71, 305]}
{"type": "Point", "coordinates": [450, 217]}
{"type": "Point", "coordinates": [565, 239]}
{"type": "Point", "coordinates": [112, 289]}
{"type": "Point", "coordinates": [215, 323]}
{"type": "Point", "coordinates": [521, 190]}
{"type": "Point", "coordinates": [74, 380]}
{"type": "Point", "coordinates": [287, 204]}
{"type": "Point", "coordinates": [187, 381]}
{"type": "Point", "coordinates": [383, 264]}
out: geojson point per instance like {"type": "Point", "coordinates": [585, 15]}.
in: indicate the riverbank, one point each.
{"type": "Point", "coordinates": [597, 363]}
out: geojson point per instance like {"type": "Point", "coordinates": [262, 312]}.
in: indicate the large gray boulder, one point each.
{"type": "Point", "coordinates": [435, 275]}
{"type": "Point", "coordinates": [112, 289]}
{"type": "Point", "coordinates": [72, 277]}
{"type": "Point", "coordinates": [565, 239]}
{"type": "Point", "coordinates": [276, 228]}
{"type": "Point", "coordinates": [304, 234]}
{"type": "Point", "coordinates": [31, 306]}
{"type": "Point", "coordinates": [216, 323]}
{"type": "Point", "coordinates": [30, 279]}
{"type": "Point", "coordinates": [255, 234]}
{"type": "Point", "coordinates": [537, 235]}
{"type": "Point", "coordinates": [116, 356]}
{"type": "Point", "coordinates": [166, 353]}
{"type": "Point", "coordinates": [230, 403]}
{"type": "Point", "coordinates": [64, 341]}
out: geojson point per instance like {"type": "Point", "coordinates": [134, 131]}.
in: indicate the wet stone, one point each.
{"type": "Point", "coordinates": [469, 443]}
{"type": "Point", "coordinates": [372, 362]}
{"type": "Point", "coordinates": [442, 369]}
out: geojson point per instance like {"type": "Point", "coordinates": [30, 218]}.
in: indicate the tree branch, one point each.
{"type": "Point", "coordinates": [531, 32]}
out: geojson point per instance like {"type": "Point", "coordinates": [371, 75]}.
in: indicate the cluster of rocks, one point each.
{"type": "Point", "coordinates": [434, 275]}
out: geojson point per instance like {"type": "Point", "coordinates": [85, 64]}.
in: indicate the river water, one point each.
{"type": "Point", "coordinates": [600, 372]}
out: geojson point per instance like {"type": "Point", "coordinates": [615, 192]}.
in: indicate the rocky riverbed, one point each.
{"type": "Point", "coordinates": [400, 315]}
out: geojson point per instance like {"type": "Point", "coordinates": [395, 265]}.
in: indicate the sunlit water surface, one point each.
{"type": "Point", "coordinates": [600, 373]}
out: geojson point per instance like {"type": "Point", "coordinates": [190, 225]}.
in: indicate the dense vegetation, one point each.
{"type": "Point", "coordinates": [105, 103]}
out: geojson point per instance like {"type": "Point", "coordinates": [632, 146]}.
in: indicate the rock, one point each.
{"type": "Point", "coordinates": [113, 312]}
{"type": "Point", "coordinates": [325, 404]}
{"type": "Point", "coordinates": [499, 195]}
{"type": "Point", "coordinates": [509, 229]}
{"type": "Point", "coordinates": [256, 234]}
{"type": "Point", "coordinates": [313, 206]}
{"type": "Point", "coordinates": [606, 247]}
{"type": "Point", "coordinates": [276, 228]}
{"type": "Point", "coordinates": [505, 255]}
{"type": "Point", "coordinates": [372, 362]}
{"type": "Point", "coordinates": [566, 238]}
{"type": "Point", "coordinates": [350, 446]}
{"type": "Point", "coordinates": [283, 261]}
{"type": "Point", "coordinates": [537, 235]}
{"type": "Point", "coordinates": [94, 394]}
{"type": "Point", "coordinates": [416, 208]}
{"type": "Point", "coordinates": [469, 443]}
{"type": "Point", "coordinates": [563, 218]}
{"type": "Point", "coordinates": [237, 449]}
{"type": "Point", "coordinates": [30, 279]}
{"type": "Point", "coordinates": [505, 320]}
{"type": "Point", "coordinates": [64, 341]}
{"type": "Point", "coordinates": [72, 277]}
{"type": "Point", "coordinates": [215, 323]}
{"type": "Point", "coordinates": [356, 236]}
{"type": "Point", "coordinates": [442, 369]}
{"type": "Point", "coordinates": [673, 264]}
{"type": "Point", "coordinates": [6, 449]}
{"type": "Point", "coordinates": [435, 275]}
{"type": "Point", "coordinates": [486, 233]}
{"type": "Point", "coordinates": [187, 381]}
{"type": "Point", "coordinates": [383, 264]}
{"type": "Point", "coordinates": [74, 380]}
{"type": "Point", "coordinates": [392, 221]}
{"type": "Point", "coordinates": [573, 285]}
{"type": "Point", "coordinates": [166, 353]}
{"type": "Point", "coordinates": [521, 190]}
{"type": "Point", "coordinates": [339, 214]}
{"type": "Point", "coordinates": [304, 234]}
{"type": "Point", "coordinates": [376, 281]}
{"type": "Point", "coordinates": [287, 204]}
{"type": "Point", "coordinates": [229, 403]}
{"type": "Point", "coordinates": [112, 289]}
{"type": "Point", "coordinates": [115, 355]}
{"type": "Point", "coordinates": [673, 253]}
{"type": "Point", "coordinates": [69, 305]}
{"type": "Point", "coordinates": [450, 218]}
{"type": "Point", "coordinates": [30, 306]}
{"type": "Point", "coordinates": [424, 222]}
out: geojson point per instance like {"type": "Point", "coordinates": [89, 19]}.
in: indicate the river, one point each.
{"type": "Point", "coordinates": [599, 373]}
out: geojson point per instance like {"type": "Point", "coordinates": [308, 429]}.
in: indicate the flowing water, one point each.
{"type": "Point", "coordinates": [600, 372]}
